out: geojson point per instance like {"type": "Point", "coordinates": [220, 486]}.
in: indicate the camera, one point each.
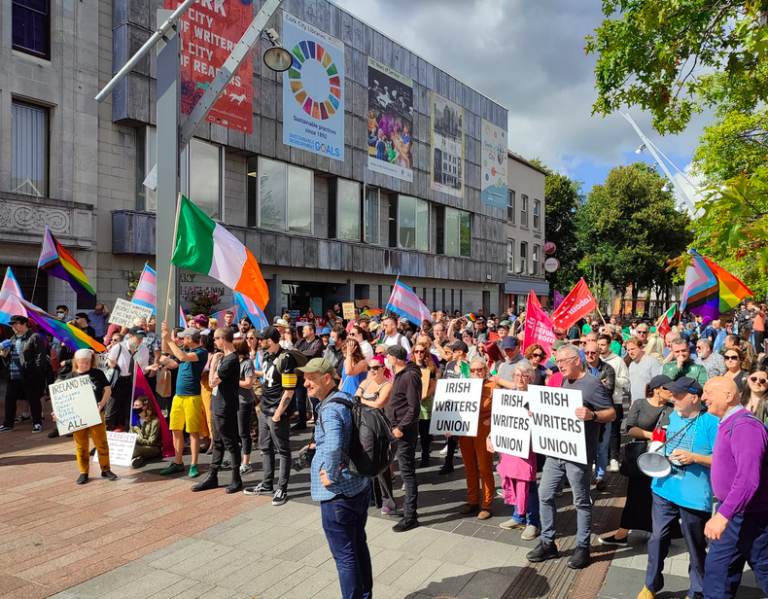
{"type": "Point", "coordinates": [304, 460]}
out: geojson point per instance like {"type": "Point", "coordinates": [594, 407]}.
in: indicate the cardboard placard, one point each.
{"type": "Point", "coordinates": [510, 423]}
{"type": "Point", "coordinates": [74, 404]}
{"type": "Point", "coordinates": [456, 409]}
{"type": "Point", "coordinates": [124, 313]}
{"type": "Point", "coordinates": [556, 430]}
{"type": "Point", "coordinates": [365, 302]}
{"type": "Point", "coordinates": [121, 447]}
{"type": "Point", "coordinates": [348, 308]}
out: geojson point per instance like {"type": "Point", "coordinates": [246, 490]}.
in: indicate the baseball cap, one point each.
{"type": "Point", "coordinates": [318, 365]}
{"type": "Point", "coordinates": [141, 333]}
{"type": "Point", "coordinates": [660, 380]}
{"type": "Point", "coordinates": [83, 315]}
{"type": "Point", "coordinates": [201, 319]}
{"type": "Point", "coordinates": [504, 324]}
{"type": "Point", "coordinates": [398, 351]}
{"type": "Point", "coordinates": [271, 333]}
{"type": "Point", "coordinates": [281, 322]}
{"type": "Point", "coordinates": [558, 344]}
{"type": "Point", "coordinates": [325, 331]}
{"type": "Point", "coordinates": [685, 384]}
{"type": "Point", "coordinates": [19, 318]}
{"type": "Point", "coordinates": [460, 346]}
{"type": "Point", "coordinates": [192, 333]}
{"type": "Point", "coordinates": [510, 343]}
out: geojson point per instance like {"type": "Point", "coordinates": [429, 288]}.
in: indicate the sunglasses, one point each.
{"type": "Point", "coordinates": [758, 380]}
{"type": "Point", "coordinates": [731, 357]}
{"type": "Point", "coordinates": [419, 351]}
{"type": "Point", "coordinates": [374, 368]}
{"type": "Point", "coordinates": [590, 353]}
{"type": "Point", "coordinates": [477, 369]}
{"type": "Point", "coordinates": [582, 342]}
{"type": "Point", "coordinates": [538, 355]}
{"type": "Point", "coordinates": [642, 332]}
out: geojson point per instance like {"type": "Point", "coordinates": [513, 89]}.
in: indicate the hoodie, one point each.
{"type": "Point", "coordinates": [405, 402]}
{"type": "Point", "coordinates": [622, 376]}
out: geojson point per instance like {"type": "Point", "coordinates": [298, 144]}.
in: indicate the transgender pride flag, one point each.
{"type": "Point", "coordinates": [10, 298]}
{"type": "Point", "coordinates": [407, 304]}
{"type": "Point", "coordinates": [146, 292]}
{"type": "Point", "coordinates": [258, 319]}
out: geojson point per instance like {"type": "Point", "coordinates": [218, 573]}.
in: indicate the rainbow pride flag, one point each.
{"type": "Point", "coordinates": [73, 337]}
{"type": "Point", "coordinates": [59, 263]}
{"type": "Point", "coordinates": [470, 317]}
{"type": "Point", "coordinates": [371, 312]}
{"type": "Point", "coordinates": [709, 289]}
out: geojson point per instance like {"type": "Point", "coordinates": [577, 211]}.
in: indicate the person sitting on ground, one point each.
{"type": "Point", "coordinates": [149, 442]}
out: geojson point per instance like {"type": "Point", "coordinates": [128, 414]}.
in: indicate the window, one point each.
{"type": "Point", "coordinates": [252, 180]}
{"type": "Point", "coordinates": [413, 223]}
{"type": "Point", "coordinates": [29, 150]}
{"type": "Point", "coordinates": [510, 256]}
{"type": "Point", "coordinates": [201, 168]}
{"type": "Point", "coordinates": [465, 235]}
{"type": "Point", "coordinates": [31, 27]}
{"type": "Point", "coordinates": [535, 260]}
{"type": "Point", "coordinates": [146, 160]}
{"type": "Point", "coordinates": [371, 218]}
{"type": "Point", "coordinates": [524, 211]}
{"type": "Point", "coordinates": [511, 206]}
{"type": "Point", "coordinates": [523, 258]}
{"type": "Point", "coordinates": [347, 210]}
{"type": "Point", "coordinates": [458, 238]}
{"type": "Point", "coordinates": [285, 197]}
{"type": "Point", "coordinates": [536, 210]}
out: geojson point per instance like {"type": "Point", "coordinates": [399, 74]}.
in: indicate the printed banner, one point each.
{"type": "Point", "coordinates": [538, 326]}
{"type": "Point", "coordinates": [313, 90]}
{"type": "Point", "coordinates": [447, 146]}
{"type": "Point", "coordinates": [74, 404]}
{"type": "Point", "coordinates": [494, 166]}
{"type": "Point", "coordinates": [209, 32]}
{"type": "Point", "coordinates": [125, 312]}
{"type": "Point", "coordinates": [510, 424]}
{"type": "Point", "coordinates": [456, 409]}
{"type": "Point", "coordinates": [121, 447]}
{"type": "Point", "coordinates": [390, 121]}
{"type": "Point", "coordinates": [556, 430]}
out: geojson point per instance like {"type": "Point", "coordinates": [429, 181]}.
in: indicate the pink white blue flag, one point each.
{"type": "Point", "coordinates": [10, 298]}
{"type": "Point", "coordinates": [219, 316]}
{"type": "Point", "coordinates": [146, 291]}
{"type": "Point", "coordinates": [251, 310]}
{"type": "Point", "coordinates": [182, 319]}
{"type": "Point", "coordinates": [407, 304]}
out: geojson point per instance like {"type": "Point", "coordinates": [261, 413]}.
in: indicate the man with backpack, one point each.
{"type": "Point", "coordinates": [737, 532]}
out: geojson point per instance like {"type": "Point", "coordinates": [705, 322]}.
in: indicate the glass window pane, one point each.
{"type": "Point", "coordinates": [511, 256]}
{"type": "Point", "coordinates": [299, 200]}
{"type": "Point", "coordinates": [407, 222]}
{"type": "Point", "coordinates": [272, 194]}
{"type": "Point", "coordinates": [465, 235]}
{"type": "Point", "coordinates": [371, 216]}
{"type": "Point", "coordinates": [422, 225]}
{"type": "Point", "coordinates": [205, 177]}
{"type": "Point", "coordinates": [30, 26]}
{"type": "Point", "coordinates": [29, 166]}
{"type": "Point", "coordinates": [451, 232]}
{"type": "Point", "coordinates": [151, 195]}
{"type": "Point", "coordinates": [348, 210]}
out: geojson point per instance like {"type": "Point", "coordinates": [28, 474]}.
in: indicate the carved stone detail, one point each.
{"type": "Point", "coordinates": [17, 217]}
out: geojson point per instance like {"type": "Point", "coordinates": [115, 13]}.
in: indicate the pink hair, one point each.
{"type": "Point", "coordinates": [379, 361]}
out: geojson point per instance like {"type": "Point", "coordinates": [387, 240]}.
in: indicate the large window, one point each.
{"type": "Point", "coordinates": [146, 160]}
{"type": "Point", "coordinates": [510, 256]}
{"type": "Point", "coordinates": [201, 176]}
{"type": "Point", "coordinates": [523, 211]}
{"type": "Point", "coordinates": [458, 233]}
{"type": "Point", "coordinates": [413, 223]}
{"type": "Point", "coordinates": [535, 259]}
{"type": "Point", "coordinates": [29, 150]}
{"type": "Point", "coordinates": [31, 26]}
{"type": "Point", "coordinates": [285, 197]}
{"type": "Point", "coordinates": [347, 210]}
{"type": "Point", "coordinates": [523, 258]}
{"type": "Point", "coordinates": [536, 211]}
{"type": "Point", "coordinates": [511, 206]}
{"type": "Point", "coordinates": [371, 220]}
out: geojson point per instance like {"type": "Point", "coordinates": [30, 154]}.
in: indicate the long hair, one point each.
{"type": "Point", "coordinates": [532, 348]}
{"type": "Point", "coordinates": [357, 353]}
{"type": "Point", "coordinates": [493, 352]}
{"type": "Point", "coordinates": [149, 409]}
{"type": "Point", "coordinates": [654, 347]}
{"type": "Point", "coordinates": [738, 353]}
{"type": "Point", "coordinates": [241, 348]}
{"type": "Point", "coordinates": [428, 361]}
{"type": "Point", "coordinates": [761, 411]}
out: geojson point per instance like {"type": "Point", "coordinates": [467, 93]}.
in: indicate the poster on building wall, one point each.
{"type": "Point", "coordinates": [209, 32]}
{"type": "Point", "coordinates": [493, 165]}
{"type": "Point", "coordinates": [313, 90]}
{"type": "Point", "coordinates": [447, 146]}
{"type": "Point", "coordinates": [390, 121]}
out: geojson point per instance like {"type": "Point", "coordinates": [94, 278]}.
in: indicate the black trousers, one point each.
{"type": "Point", "coordinates": [32, 391]}
{"type": "Point", "coordinates": [120, 403]}
{"type": "Point", "coordinates": [425, 438]}
{"type": "Point", "coordinates": [614, 447]}
{"type": "Point", "coordinates": [226, 437]}
{"type": "Point", "coordinates": [406, 461]}
{"type": "Point", "coordinates": [244, 427]}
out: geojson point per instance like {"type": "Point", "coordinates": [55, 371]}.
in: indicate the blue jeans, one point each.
{"type": "Point", "coordinates": [602, 452]}
{"type": "Point", "coordinates": [665, 513]}
{"type": "Point", "coordinates": [555, 470]}
{"type": "Point", "coordinates": [344, 525]}
{"type": "Point", "coordinates": [533, 515]}
{"type": "Point", "coordinates": [745, 539]}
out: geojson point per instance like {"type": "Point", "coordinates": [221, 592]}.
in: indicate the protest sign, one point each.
{"type": "Point", "coordinates": [124, 313]}
{"type": "Point", "coordinates": [538, 326]}
{"type": "Point", "coordinates": [456, 408]}
{"type": "Point", "coordinates": [349, 310]}
{"type": "Point", "coordinates": [510, 424]}
{"type": "Point", "coordinates": [74, 404]}
{"type": "Point", "coordinates": [121, 447]}
{"type": "Point", "coordinates": [556, 430]}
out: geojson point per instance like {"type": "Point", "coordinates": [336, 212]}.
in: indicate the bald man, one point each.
{"type": "Point", "coordinates": [737, 532]}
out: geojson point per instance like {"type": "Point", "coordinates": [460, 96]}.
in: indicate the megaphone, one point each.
{"type": "Point", "coordinates": [653, 464]}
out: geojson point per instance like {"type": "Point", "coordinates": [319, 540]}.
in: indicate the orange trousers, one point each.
{"type": "Point", "coordinates": [207, 394]}
{"type": "Point", "coordinates": [478, 468]}
{"type": "Point", "coordinates": [99, 435]}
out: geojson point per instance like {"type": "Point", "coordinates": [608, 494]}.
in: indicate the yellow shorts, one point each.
{"type": "Point", "coordinates": [186, 410]}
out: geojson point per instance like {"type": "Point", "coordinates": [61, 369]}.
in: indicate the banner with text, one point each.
{"type": "Point", "coordinates": [556, 430]}
{"type": "Point", "coordinates": [209, 32]}
{"type": "Point", "coordinates": [121, 447]}
{"type": "Point", "coordinates": [74, 404]}
{"type": "Point", "coordinates": [313, 90]}
{"type": "Point", "coordinates": [125, 312]}
{"type": "Point", "coordinates": [456, 408]}
{"type": "Point", "coordinates": [510, 424]}
{"type": "Point", "coordinates": [538, 326]}
{"type": "Point", "coordinates": [447, 146]}
{"type": "Point", "coordinates": [576, 305]}
{"type": "Point", "coordinates": [493, 165]}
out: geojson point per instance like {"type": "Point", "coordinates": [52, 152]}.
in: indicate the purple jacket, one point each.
{"type": "Point", "coordinates": [739, 468]}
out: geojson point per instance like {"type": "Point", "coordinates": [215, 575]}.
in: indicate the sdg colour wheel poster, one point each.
{"type": "Point", "coordinates": [447, 146]}
{"type": "Point", "coordinates": [209, 32]}
{"type": "Point", "coordinates": [313, 90]}
{"type": "Point", "coordinates": [493, 166]}
{"type": "Point", "coordinates": [390, 121]}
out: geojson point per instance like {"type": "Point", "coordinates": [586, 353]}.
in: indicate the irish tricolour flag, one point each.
{"type": "Point", "coordinates": [205, 246]}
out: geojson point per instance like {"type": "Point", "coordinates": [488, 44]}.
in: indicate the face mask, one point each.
{"type": "Point", "coordinates": [138, 411]}
{"type": "Point", "coordinates": [60, 314]}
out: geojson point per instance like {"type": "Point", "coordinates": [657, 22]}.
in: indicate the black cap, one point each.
{"type": "Point", "coordinates": [83, 315]}
{"type": "Point", "coordinates": [271, 333]}
{"type": "Point", "coordinates": [685, 384]}
{"type": "Point", "coordinates": [18, 318]}
{"type": "Point", "coordinates": [137, 332]}
{"type": "Point", "coordinates": [660, 380]}
{"type": "Point", "coordinates": [460, 345]}
{"type": "Point", "coordinates": [398, 351]}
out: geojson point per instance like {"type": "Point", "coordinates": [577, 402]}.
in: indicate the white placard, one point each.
{"type": "Point", "coordinates": [556, 430]}
{"type": "Point", "coordinates": [510, 423]}
{"type": "Point", "coordinates": [124, 313]}
{"type": "Point", "coordinates": [74, 404]}
{"type": "Point", "coordinates": [121, 447]}
{"type": "Point", "coordinates": [456, 408]}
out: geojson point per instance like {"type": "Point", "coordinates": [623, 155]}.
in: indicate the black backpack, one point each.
{"type": "Point", "coordinates": [371, 448]}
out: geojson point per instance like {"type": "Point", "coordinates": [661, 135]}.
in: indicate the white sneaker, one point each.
{"type": "Point", "coordinates": [613, 466]}
{"type": "Point", "coordinates": [245, 468]}
{"type": "Point", "coordinates": [444, 450]}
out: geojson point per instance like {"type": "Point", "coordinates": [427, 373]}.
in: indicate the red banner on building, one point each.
{"type": "Point", "coordinates": [209, 32]}
{"type": "Point", "coordinates": [538, 326]}
{"type": "Point", "coordinates": [576, 305]}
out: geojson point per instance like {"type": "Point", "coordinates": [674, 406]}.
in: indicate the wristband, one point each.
{"type": "Point", "coordinates": [594, 415]}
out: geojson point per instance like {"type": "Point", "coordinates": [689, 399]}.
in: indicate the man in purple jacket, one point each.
{"type": "Point", "coordinates": [740, 481]}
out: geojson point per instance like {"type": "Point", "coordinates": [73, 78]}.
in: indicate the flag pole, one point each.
{"type": "Point", "coordinates": [173, 247]}
{"type": "Point", "coordinates": [600, 313]}
{"type": "Point", "coordinates": [37, 272]}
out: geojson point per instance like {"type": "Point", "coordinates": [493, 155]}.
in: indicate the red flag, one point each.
{"type": "Point", "coordinates": [577, 305]}
{"type": "Point", "coordinates": [538, 326]}
{"type": "Point", "coordinates": [493, 336]}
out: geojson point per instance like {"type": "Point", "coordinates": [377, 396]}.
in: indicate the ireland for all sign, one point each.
{"type": "Point", "coordinates": [556, 430]}
{"type": "Point", "coordinates": [74, 404]}
{"type": "Point", "coordinates": [456, 408]}
{"type": "Point", "coordinates": [313, 90]}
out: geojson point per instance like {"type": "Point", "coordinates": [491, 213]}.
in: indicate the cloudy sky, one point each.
{"type": "Point", "coordinates": [529, 56]}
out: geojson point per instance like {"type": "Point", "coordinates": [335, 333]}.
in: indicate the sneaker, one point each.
{"type": "Point", "coordinates": [405, 525]}
{"type": "Point", "coordinates": [260, 489]}
{"type": "Point", "coordinates": [530, 533]}
{"type": "Point", "coordinates": [512, 524]}
{"type": "Point", "coordinates": [173, 468]}
{"type": "Point", "coordinates": [82, 479]}
{"type": "Point", "coordinates": [5, 429]}
{"type": "Point", "coordinates": [385, 510]}
{"type": "Point", "coordinates": [53, 434]}
{"type": "Point", "coordinates": [646, 594]}
{"type": "Point", "coordinates": [484, 514]}
{"type": "Point", "coordinates": [109, 475]}
{"type": "Point", "coordinates": [600, 484]}
{"type": "Point", "coordinates": [613, 466]}
{"type": "Point", "coordinates": [613, 541]}
{"type": "Point", "coordinates": [23, 418]}
{"type": "Point", "coordinates": [280, 497]}
{"type": "Point", "coordinates": [193, 471]}
{"type": "Point", "coordinates": [245, 468]}
{"type": "Point", "coordinates": [137, 462]}
{"type": "Point", "coordinates": [543, 552]}
{"type": "Point", "coordinates": [579, 559]}
{"type": "Point", "coordinates": [37, 428]}
{"type": "Point", "coordinates": [499, 492]}
{"type": "Point", "coordinates": [444, 451]}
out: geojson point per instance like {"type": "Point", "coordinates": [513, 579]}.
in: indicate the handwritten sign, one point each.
{"type": "Point", "coordinates": [456, 409]}
{"type": "Point", "coordinates": [124, 313]}
{"type": "Point", "coordinates": [74, 404]}
{"type": "Point", "coordinates": [510, 424]}
{"type": "Point", "coordinates": [556, 430]}
{"type": "Point", "coordinates": [348, 309]}
{"type": "Point", "coordinates": [121, 447]}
